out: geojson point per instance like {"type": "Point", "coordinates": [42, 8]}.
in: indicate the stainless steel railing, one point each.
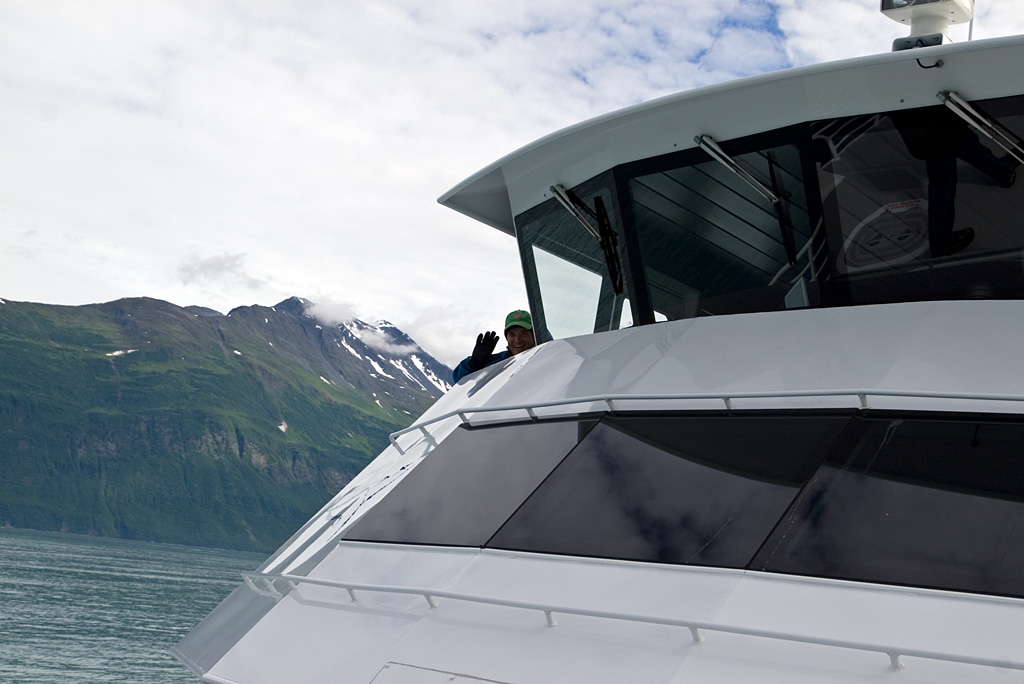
{"type": "Point", "coordinates": [728, 401]}
{"type": "Point", "coordinates": [696, 627]}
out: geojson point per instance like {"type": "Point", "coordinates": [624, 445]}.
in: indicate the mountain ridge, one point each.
{"type": "Point", "coordinates": [142, 419]}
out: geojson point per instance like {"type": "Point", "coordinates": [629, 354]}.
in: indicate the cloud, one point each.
{"type": "Point", "coordinates": [215, 152]}
{"type": "Point", "coordinates": [744, 51]}
{"type": "Point", "coordinates": [219, 268]}
{"type": "Point", "coordinates": [449, 339]}
{"type": "Point", "coordinates": [331, 311]}
{"type": "Point", "coordinates": [821, 30]}
{"type": "Point", "coordinates": [380, 342]}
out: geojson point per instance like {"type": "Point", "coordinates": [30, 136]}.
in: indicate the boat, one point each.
{"type": "Point", "coordinates": [773, 429]}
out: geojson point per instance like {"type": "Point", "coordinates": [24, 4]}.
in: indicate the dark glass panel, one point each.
{"type": "Point", "coordinates": [711, 244]}
{"type": "Point", "coordinates": [469, 485]}
{"type": "Point", "coordinates": [900, 190]}
{"type": "Point", "coordinates": [700, 490]}
{"type": "Point", "coordinates": [918, 502]}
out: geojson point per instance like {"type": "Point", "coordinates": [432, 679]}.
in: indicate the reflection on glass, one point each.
{"type": "Point", "coordinates": [469, 485]}
{"type": "Point", "coordinates": [910, 500]}
{"type": "Point", "coordinates": [918, 206]}
{"type": "Point", "coordinates": [711, 244]}
{"type": "Point", "coordinates": [903, 206]}
{"type": "Point", "coordinates": [917, 502]}
{"type": "Point", "coordinates": [701, 491]}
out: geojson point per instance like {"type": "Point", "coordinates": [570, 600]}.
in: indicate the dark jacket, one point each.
{"type": "Point", "coordinates": [463, 369]}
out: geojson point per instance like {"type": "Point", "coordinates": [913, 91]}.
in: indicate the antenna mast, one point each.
{"type": "Point", "coordinates": [929, 20]}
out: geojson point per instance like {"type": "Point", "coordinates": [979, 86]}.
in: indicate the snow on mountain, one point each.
{"type": "Point", "coordinates": [382, 345]}
{"type": "Point", "coordinates": [377, 359]}
{"type": "Point", "coordinates": [380, 349]}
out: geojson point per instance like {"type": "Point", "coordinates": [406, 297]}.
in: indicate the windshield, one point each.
{"type": "Point", "coordinates": [920, 206]}
{"type": "Point", "coordinates": [891, 207]}
{"type": "Point", "coordinates": [711, 243]}
{"type": "Point", "coordinates": [570, 289]}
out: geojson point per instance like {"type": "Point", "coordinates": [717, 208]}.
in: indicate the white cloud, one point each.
{"type": "Point", "coordinates": [224, 268]}
{"type": "Point", "coordinates": [451, 338]}
{"type": "Point", "coordinates": [331, 311]}
{"type": "Point", "coordinates": [740, 50]}
{"type": "Point", "coordinates": [378, 341]}
{"type": "Point", "coordinates": [223, 153]}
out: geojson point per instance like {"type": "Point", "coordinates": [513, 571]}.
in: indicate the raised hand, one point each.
{"type": "Point", "coordinates": [485, 344]}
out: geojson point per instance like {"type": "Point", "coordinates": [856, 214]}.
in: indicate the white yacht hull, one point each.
{"type": "Point", "coordinates": [369, 612]}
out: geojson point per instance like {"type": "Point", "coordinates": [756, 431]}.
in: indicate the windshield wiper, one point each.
{"type": "Point", "coordinates": [785, 225]}
{"type": "Point", "coordinates": [987, 127]}
{"type": "Point", "coordinates": [604, 233]}
{"type": "Point", "coordinates": [774, 195]}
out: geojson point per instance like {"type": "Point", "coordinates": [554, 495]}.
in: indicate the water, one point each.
{"type": "Point", "coordinates": [84, 609]}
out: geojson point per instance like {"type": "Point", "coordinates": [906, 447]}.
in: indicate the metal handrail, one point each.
{"type": "Point", "coordinates": [695, 626]}
{"type": "Point", "coordinates": [727, 399]}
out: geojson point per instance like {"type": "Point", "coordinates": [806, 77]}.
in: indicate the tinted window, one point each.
{"type": "Point", "coordinates": [916, 502]}
{"type": "Point", "coordinates": [469, 485]}
{"type": "Point", "coordinates": [910, 500]}
{"type": "Point", "coordinates": [700, 490]}
{"type": "Point", "coordinates": [711, 244]}
{"type": "Point", "coordinates": [873, 209]}
{"type": "Point", "coordinates": [896, 189]}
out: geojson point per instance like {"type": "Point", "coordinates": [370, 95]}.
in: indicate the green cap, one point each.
{"type": "Point", "coordinates": [519, 318]}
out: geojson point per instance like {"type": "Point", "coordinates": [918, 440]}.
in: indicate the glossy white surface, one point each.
{"type": "Point", "coordinates": [317, 633]}
{"type": "Point", "coordinates": [947, 347]}
{"type": "Point", "coordinates": [938, 347]}
{"type": "Point", "coordinates": [918, 347]}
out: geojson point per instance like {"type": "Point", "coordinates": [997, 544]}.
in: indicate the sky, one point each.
{"type": "Point", "coordinates": [225, 153]}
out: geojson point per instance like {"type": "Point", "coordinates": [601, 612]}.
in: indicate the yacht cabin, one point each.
{"type": "Point", "coordinates": [774, 430]}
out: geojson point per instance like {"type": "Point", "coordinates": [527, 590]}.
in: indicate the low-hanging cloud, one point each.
{"type": "Point", "coordinates": [333, 312]}
{"type": "Point", "coordinates": [377, 340]}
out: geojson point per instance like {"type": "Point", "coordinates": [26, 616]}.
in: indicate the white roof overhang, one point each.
{"type": "Point", "coordinates": [878, 83]}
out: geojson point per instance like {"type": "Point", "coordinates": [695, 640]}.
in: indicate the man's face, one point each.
{"type": "Point", "coordinates": [519, 339]}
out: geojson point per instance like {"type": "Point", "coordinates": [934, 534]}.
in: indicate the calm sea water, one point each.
{"type": "Point", "coordinates": [85, 609]}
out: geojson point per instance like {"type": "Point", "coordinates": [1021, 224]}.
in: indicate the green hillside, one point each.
{"type": "Point", "coordinates": [140, 419]}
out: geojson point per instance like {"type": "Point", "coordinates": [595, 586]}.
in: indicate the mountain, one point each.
{"type": "Point", "coordinates": [145, 420]}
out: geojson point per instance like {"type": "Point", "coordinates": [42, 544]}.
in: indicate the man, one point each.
{"type": "Point", "coordinates": [518, 336]}
{"type": "Point", "coordinates": [939, 137]}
